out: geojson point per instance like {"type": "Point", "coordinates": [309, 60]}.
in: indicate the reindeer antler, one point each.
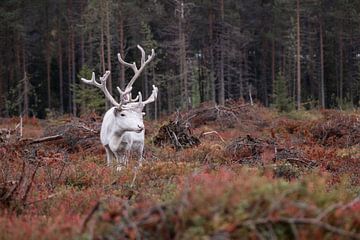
{"type": "Point", "coordinates": [102, 86]}
{"type": "Point", "coordinates": [126, 94]}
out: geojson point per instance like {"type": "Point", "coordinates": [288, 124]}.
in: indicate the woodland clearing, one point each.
{"type": "Point", "coordinates": [213, 172]}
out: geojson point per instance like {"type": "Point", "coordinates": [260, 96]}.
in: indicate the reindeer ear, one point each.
{"type": "Point", "coordinates": [117, 111]}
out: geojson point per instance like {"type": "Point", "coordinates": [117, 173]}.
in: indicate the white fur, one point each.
{"type": "Point", "coordinates": [122, 132]}
{"type": "Point", "coordinates": [122, 129]}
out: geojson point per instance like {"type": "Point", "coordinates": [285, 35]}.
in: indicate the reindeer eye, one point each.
{"type": "Point", "coordinates": [122, 114]}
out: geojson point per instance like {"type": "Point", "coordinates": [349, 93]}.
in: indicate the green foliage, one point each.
{"type": "Point", "coordinates": [88, 98]}
{"type": "Point", "coordinates": [282, 101]}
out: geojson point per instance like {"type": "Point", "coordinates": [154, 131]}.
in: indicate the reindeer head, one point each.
{"type": "Point", "coordinates": [127, 108]}
{"type": "Point", "coordinates": [129, 120]}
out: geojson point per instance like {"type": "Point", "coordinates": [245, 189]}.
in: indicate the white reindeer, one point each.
{"type": "Point", "coordinates": [122, 129]}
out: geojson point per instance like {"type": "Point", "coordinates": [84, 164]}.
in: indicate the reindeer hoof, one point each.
{"type": "Point", "coordinates": [118, 168]}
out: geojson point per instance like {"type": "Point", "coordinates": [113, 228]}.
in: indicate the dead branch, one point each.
{"type": "Point", "coordinates": [300, 221]}
{"type": "Point", "coordinates": [43, 199]}
{"type": "Point", "coordinates": [212, 132]}
{"type": "Point", "coordinates": [89, 216]}
{"type": "Point", "coordinates": [46, 139]}
{"type": "Point", "coordinates": [27, 190]}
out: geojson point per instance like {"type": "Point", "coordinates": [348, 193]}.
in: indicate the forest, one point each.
{"type": "Point", "coordinates": [247, 119]}
{"type": "Point", "coordinates": [305, 52]}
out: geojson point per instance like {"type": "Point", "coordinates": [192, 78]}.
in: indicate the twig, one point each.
{"type": "Point", "coordinates": [213, 132]}
{"type": "Point", "coordinates": [24, 197]}
{"type": "Point", "coordinates": [301, 221]}
{"type": "Point", "coordinates": [327, 211]}
{"type": "Point", "coordinates": [11, 192]}
{"type": "Point", "coordinates": [43, 199]}
{"type": "Point", "coordinates": [46, 139]}
{"type": "Point", "coordinates": [89, 216]}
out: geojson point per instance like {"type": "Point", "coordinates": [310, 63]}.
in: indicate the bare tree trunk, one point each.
{"type": "Point", "coordinates": [264, 73]}
{"type": "Point", "coordinates": [146, 88]}
{"type": "Point", "coordinates": [48, 77]}
{"type": "Point", "coordinates": [61, 80]}
{"type": "Point", "coordinates": [26, 83]}
{"type": "Point", "coordinates": [158, 100]}
{"type": "Point", "coordinates": [183, 64]}
{"type": "Point", "coordinates": [121, 48]}
{"type": "Point", "coordinates": [298, 59]}
{"type": "Point", "coordinates": [108, 45]}
{"type": "Point", "coordinates": [211, 53]}
{"type": "Point", "coordinates": [322, 80]}
{"type": "Point", "coordinates": [48, 58]}
{"type": "Point", "coordinates": [273, 64]}
{"type": "Point", "coordinates": [1, 85]}
{"type": "Point", "coordinates": [82, 51]}
{"type": "Point", "coordinates": [221, 77]}
{"type": "Point", "coordinates": [73, 69]}
{"type": "Point", "coordinates": [102, 51]}
{"type": "Point", "coordinates": [69, 72]}
{"type": "Point", "coordinates": [91, 49]}
{"type": "Point", "coordinates": [69, 54]}
{"type": "Point", "coordinates": [241, 74]}
{"type": "Point", "coordinates": [341, 70]}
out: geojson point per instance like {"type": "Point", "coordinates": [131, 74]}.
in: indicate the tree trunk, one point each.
{"type": "Point", "coordinates": [298, 59]}
{"type": "Point", "coordinates": [102, 51]}
{"type": "Point", "coordinates": [182, 59]}
{"type": "Point", "coordinates": [48, 78]}
{"type": "Point", "coordinates": [341, 70]}
{"type": "Point", "coordinates": [273, 64]}
{"type": "Point", "coordinates": [211, 53]}
{"type": "Point", "coordinates": [68, 51]}
{"type": "Point", "coordinates": [221, 77]}
{"type": "Point", "coordinates": [73, 70]}
{"type": "Point", "coordinates": [82, 51]}
{"type": "Point", "coordinates": [61, 80]}
{"type": "Point", "coordinates": [158, 100]}
{"type": "Point", "coordinates": [121, 48]}
{"type": "Point", "coordinates": [322, 80]}
{"type": "Point", "coordinates": [69, 55]}
{"type": "Point", "coordinates": [108, 45]}
{"type": "Point", "coordinates": [241, 74]}
{"type": "Point", "coordinates": [264, 73]}
{"type": "Point", "coordinates": [91, 50]}
{"type": "Point", "coordinates": [26, 83]}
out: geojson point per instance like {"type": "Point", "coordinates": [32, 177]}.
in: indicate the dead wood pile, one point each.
{"type": "Point", "coordinates": [256, 151]}
{"type": "Point", "coordinates": [228, 116]}
{"type": "Point", "coordinates": [177, 134]}
{"type": "Point", "coordinates": [337, 130]}
{"type": "Point", "coordinates": [77, 135]}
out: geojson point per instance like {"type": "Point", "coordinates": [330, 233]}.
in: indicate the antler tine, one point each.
{"type": "Point", "coordinates": [92, 81]}
{"type": "Point", "coordinates": [142, 54]}
{"type": "Point", "coordinates": [102, 86]}
{"type": "Point", "coordinates": [140, 97]}
{"type": "Point", "coordinates": [136, 70]}
{"type": "Point", "coordinates": [135, 99]}
{"type": "Point", "coordinates": [152, 97]}
{"type": "Point", "coordinates": [132, 65]}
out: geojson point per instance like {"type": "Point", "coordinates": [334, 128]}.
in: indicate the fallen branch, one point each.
{"type": "Point", "coordinates": [46, 139]}
{"type": "Point", "coordinates": [89, 216]}
{"type": "Point", "coordinates": [300, 221]}
{"type": "Point", "coordinates": [212, 132]}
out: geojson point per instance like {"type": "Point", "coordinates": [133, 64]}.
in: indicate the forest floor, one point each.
{"type": "Point", "coordinates": [235, 172]}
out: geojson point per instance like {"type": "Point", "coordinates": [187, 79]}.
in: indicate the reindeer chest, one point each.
{"type": "Point", "coordinates": [132, 138]}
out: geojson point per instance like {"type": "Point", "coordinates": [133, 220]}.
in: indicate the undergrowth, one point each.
{"type": "Point", "coordinates": [286, 179]}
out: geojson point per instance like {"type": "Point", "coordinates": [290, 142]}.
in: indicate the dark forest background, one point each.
{"type": "Point", "coordinates": [290, 54]}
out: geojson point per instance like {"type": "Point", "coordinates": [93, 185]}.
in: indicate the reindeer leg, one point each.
{"type": "Point", "coordinates": [121, 160]}
{"type": "Point", "coordinates": [109, 156]}
{"type": "Point", "coordinates": [141, 157]}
